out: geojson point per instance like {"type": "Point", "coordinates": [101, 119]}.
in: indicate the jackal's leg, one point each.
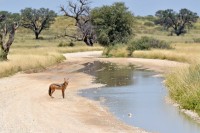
{"type": "Point", "coordinates": [63, 93]}
{"type": "Point", "coordinates": [52, 91]}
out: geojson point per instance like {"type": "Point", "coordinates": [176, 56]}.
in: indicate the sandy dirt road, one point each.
{"type": "Point", "coordinates": [25, 106]}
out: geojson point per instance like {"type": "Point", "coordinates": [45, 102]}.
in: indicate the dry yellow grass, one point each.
{"type": "Point", "coordinates": [21, 59]}
{"type": "Point", "coordinates": [183, 52]}
{"type": "Point", "coordinates": [28, 60]}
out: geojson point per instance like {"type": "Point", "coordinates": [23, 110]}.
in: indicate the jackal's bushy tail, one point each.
{"type": "Point", "coordinates": [49, 90]}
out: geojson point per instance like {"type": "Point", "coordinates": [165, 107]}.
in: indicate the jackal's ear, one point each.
{"type": "Point", "coordinates": [66, 79]}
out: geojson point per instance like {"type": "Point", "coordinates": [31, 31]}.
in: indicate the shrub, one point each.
{"type": "Point", "coordinates": [150, 24]}
{"type": "Point", "coordinates": [62, 44]}
{"type": "Point", "coordinates": [65, 44]}
{"type": "Point", "coordinates": [71, 44]}
{"type": "Point", "coordinates": [131, 48]}
{"type": "Point", "coordinates": [113, 23]}
{"type": "Point", "coordinates": [146, 43]}
{"type": "Point", "coordinates": [196, 40]}
{"type": "Point", "coordinates": [103, 39]}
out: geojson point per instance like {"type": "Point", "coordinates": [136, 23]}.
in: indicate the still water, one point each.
{"type": "Point", "coordinates": [137, 98]}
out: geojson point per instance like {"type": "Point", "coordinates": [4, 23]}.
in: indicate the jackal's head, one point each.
{"type": "Point", "coordinates": [66, 81]}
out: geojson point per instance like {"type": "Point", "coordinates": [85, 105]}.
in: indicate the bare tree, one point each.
{"type": "Point", "coordinates": [7, 32]}
{"type": "Point", "coordinates": [80, 13]}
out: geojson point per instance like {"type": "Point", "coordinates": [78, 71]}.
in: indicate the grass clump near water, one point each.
{"type": "Point", "coordinates": [184, 87]}
{"type": "Point", "coordinates": [118, 50]}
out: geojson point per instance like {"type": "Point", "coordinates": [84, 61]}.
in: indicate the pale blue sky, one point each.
{"type": "Point", "coordinates": [138, 7]}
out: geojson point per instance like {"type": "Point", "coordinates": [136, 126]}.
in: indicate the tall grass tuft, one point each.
{"type": "Point", "coordinates": [183, 85]}
{"type": "Point", "coordinates": [118, 50]}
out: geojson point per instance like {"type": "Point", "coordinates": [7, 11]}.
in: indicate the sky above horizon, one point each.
{"type": "Point", "coordinates": [137, 7]}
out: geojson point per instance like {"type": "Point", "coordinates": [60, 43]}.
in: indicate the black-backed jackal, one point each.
{"type": "Point", "coordinates": [62, 87]}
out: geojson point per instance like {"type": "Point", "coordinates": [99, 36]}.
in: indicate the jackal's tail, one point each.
{"type": "Point", "coordinates": [49, 90]}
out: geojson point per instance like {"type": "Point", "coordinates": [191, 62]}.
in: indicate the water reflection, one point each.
{"type": "Point", "coordinates": [109, 73]}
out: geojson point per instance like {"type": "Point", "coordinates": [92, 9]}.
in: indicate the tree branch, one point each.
{"type": "Point", "coordinates": [65, 12]}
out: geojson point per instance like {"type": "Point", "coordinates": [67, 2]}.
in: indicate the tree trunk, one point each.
{"type": "Point", "coordinates": [88, 41]}
{"type": "Point", "coordinates": [4, 53]}
{"type": "Point", "coordinates": [5, 46]}
{"type": "Point", "coordinates": [178, 33]}
{"type": "Point", "coordinates": [36, 35]}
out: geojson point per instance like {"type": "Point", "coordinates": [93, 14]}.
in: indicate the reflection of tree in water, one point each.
{"type": "Point", "coordinates": [109, 73]}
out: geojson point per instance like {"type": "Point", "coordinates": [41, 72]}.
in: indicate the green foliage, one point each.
{"type": "Point", "coordinates": [103, 38]}
{"type": "Point", "coordinates": [9, 19]}
{"type": "Point", "coordinates": [113, 24]}
{"type": "Point", "coordinates": [177, 21]}
{"type": "Point", "coordinates": [37, 19]}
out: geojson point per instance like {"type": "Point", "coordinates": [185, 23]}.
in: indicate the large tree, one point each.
{"type": "Point", "coordinates": [80, 12]}
{"type": "Point", "coordinates": [178, 22]}
{"type": "Point", "coordinates": [113, 24]}
{"type": "Point", "coordinates": [8, 25]}
{"type": "Point", "coordinates": [37, 19]}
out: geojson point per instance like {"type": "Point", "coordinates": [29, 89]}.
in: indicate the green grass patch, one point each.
{"type": "Point", "coordinates": [183, 85]}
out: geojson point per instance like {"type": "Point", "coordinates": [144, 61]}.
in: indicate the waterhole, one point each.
{"type": "Point", "coordinates": [137, 97]}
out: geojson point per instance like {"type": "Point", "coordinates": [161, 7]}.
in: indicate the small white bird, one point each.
{"type": "Point", "coordinates": [129, 115]}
